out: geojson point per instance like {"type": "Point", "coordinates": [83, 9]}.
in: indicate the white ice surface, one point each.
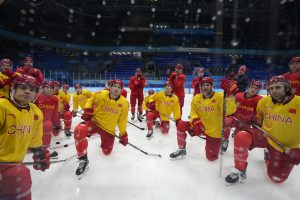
{"type": "Point", "coordinates": [128, 174]}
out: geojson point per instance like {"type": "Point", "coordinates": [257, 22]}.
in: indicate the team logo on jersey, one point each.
{"type": "Point", "coordinates": [213, 101]}
{"type": "Point", "coordinates": [36, 117]}
{"type": "Point", "coordinates": [109, 109]}
{"type": "Point", "coordinates": [13, 129]}
{"type": "Point", "coordinates": [120, 105]}
{"type": "Point", "coordinates": [292, 110]}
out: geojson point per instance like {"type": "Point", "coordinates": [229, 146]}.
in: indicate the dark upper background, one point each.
{"type": "Point", "coordinates": [251, 24]}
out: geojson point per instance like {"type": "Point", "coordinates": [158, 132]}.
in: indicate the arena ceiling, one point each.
{"type": "Point", "coordinates": [222, 23]}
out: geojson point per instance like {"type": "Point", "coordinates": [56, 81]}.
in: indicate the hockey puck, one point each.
{"type": "Point", "coordinates": [66, 145]}
{"type": "Point", "coordinates": [57, 142]}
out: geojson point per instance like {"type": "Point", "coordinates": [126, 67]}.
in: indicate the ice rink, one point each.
{"type": "Point", "coordinates": [128, 174]}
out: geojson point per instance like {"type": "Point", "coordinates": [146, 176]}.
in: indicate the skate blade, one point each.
{"type": "Point", "coordinates": [236, 183]}
{"type": "Point", "coordinates": [178, 158]}
{"type": "Point", "coordinates": [83, 174]}
{"type": "Point", "coordinates": [149, 138]}
{"type": "Point", "coordinates": [54, 158]}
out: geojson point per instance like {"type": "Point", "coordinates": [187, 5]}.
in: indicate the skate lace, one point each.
{"type": "Point", "coordinates": [81, 163]}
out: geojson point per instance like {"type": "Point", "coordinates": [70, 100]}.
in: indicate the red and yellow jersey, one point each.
{"type": "Point", "coordinates": [19, 130]}
{"type": "Point", "coordinates": [166, 105]}
{"type": "Point", "coordinates": [4, 92]}
{"type": "Point", "coordinates": [294, 79]}
{"type": "Point", "coordinates": [210, 111]}
{"type": "Point", "coordinates": [282, 121]}
{"type": "Point", "coordinates": [109, 113]}
{"type": "Point", "coordinates": [246, 107]}
{"type": "Point", "coordinates": [49, 107]}
{"type": "Point", "coordinates": [148, 99]}
{"type": "Point", "coordinates": [67, 98]}
{"type": "Point", "coordinates": [81, 99]}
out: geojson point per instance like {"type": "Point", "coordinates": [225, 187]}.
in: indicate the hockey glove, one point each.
{"type": "Point", "coordinates": [294, 156]}
{"type": "Point", "coordinates": [88, 114]}
{"type": "Point", "coordinates": [229, 86]}
{"type": "Point", "coordinates": [66, 107]}
{"type": "Point", "coordinates": [74, 113]}
{"type": "Point", "coordinates": [198, 127]}
{"type": "Point", "coordinates": [41, 159]}
{"type": "Point", "coordinates": [4, 82]}
{"type": "Point", "coordinates": [124, 139]}
{"type": "Point", "coordinates": [173, 76]}
{"type": "Point", "coordinates": [151, 106]}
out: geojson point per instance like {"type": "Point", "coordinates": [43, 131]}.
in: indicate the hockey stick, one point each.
{"type": "Point", "coordinates": [32, 163]}
{"type": "Point", "coordinates": [222, 134]}
{"type": "Point", "coordinates": [141, 128]}
{"type": "Point", "coordinates": [144, 152]}
{"type": "Point", "coordinates": [271, 137]}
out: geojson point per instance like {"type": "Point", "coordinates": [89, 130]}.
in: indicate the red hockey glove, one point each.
{"type": "Point", "coordinates": [4, 82]}
{"type": "Point", "coordinates": [66, 107]}
{"type": "Point", "coordinates": [198, 127]}
{"type": "Point", "coordinates": [294, 156]}
{"type": "Point", "coordinates": [88, 114]}
{"type": "Point", "coordinates": [41, 159]}
{"type": "Point", "coordinates": [8, 72]}
{"type": "Point", "coordinates": [229, 86]}
{"type": "Point", "coordinates": [256, 120]}
{"type": "Point", "coordinates": [124, 139]}
{"type": "Point", "coordinates": [74, 113]}
{"type": "Point", "coordinates": [151, 106]}
{"type": "Point", "coordinates": [173, 76]}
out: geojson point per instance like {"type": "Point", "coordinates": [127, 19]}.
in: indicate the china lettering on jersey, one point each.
{"type": "Point", "coordinates": [22, 129]}
{"type": "Point", "coordinates": [109, 109]}
{"type": "Point", "coordinates": [46, 106]}
{"type": "Point", "coordinates": [278, 118]}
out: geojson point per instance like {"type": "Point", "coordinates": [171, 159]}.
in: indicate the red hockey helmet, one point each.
{"type": "Point", "coordinates": [119, 82]}
{"type": "Point", "coordinates": [201, 70]}
{"type": "Point", "coordinates": [243, 68]}
{"type": "Point", "coordinates": [150, 92]}
{"type": "Point", "coordinates": [255, 83]}
{"type": "Point", "coordinates": [56, 84]}
{"type": "Point", "coordinates": [168, 83]}
{"type": "Point", "coordinates": [138, 71]}
{"type": "Point", "coordinates": [66, 86]}
{"type": "Point", "coordinates": [77, 86]}
{"type": "Point", "coordinates": [179, 66]}
{"type": "Point", "coordinates": [47, 83]}
{"type": "Point", "coordinates": [28, 59]}
{"type": "Point", "coordinates": [6, 61]}
{"type": "Point", "coordinates": [109, 83]}
{"type": "Point", "coordinates": [27, 80]}
{"type": "Point", "coordinates": [295, 59]}
{"type": "Point", "coordinates": [279, 79]}
{"type": "Point", "coordinates": [207, 80]}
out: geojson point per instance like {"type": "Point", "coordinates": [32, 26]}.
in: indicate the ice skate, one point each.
{"type": "Point", "coordinates": [236, 176]}
{"type": "Point", "coordinates": [178, 155]}
{"type": "Point", "coordinates": [132, 116]}
{"type": "Point", "coordinates": [53, 154]}
{"type": "Point", "coordinates": [83, 166]}
{"type": "Point", "coordinates": [149, 134]}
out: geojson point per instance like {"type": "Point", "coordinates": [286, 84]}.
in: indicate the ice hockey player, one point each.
{"type": "Point", "coordinates": [294, 75]}
{"type": "Point", "coordinates": [136, 85]}
{"type": "Point", "coordinates": [246, 108]}
{"type": "Point", "coordinates": [67, 114]}
{"type": "Point", "coordinates": [21, 128]}
{"type": "Point", "coordinates": [177, 79]}
{"type": "Point", "coordinates": [28, 69]}
{"type": "Point", "coordinates": [151, 112]}
{"type": "Point", "coordinates": [166, 103]}
{"type": "Point", "coordinates": [48, 103]}
{"type": "Point", "coordinates": [278, 115]}
{"type": "Point", "coordinates": [102, 113]}
{"type": "Point", "coordinates": [80, 98]}
{"type": "Point", "coordinates": [197, 80]}
{"type": "Point", "coordinates": [242, 78]}
{"type": "Point", "coordinates": [206, 118]}
{"type": "Point", "coordinates": [6, 76]}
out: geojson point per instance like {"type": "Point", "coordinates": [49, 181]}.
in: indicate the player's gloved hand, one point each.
{"type": "Point", "coordinates": [66, 107]}
{"type": "Point", "coordinates": [294, 156]}
{"type": "Point", "coordinates": [229, 86]}
{"type": "Point", "coordinates": [88, 114]}
{"type": "Point", "coordinates": [173, 76]}
{"type": "Point", "coordinates": [124, 139]}
{"type": "Point", "coordinates": [256, 120]}
{"type": "Point", "coordinates": [198, 127]}
{"type": "Point", "coordinates": [151, 106]}
{"type": "Point", "coordinates": [74, 113]}
{"type": "Point", "coordinates": [4, 82]}
{"type": "Point", "coordinates": [41, 159]}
